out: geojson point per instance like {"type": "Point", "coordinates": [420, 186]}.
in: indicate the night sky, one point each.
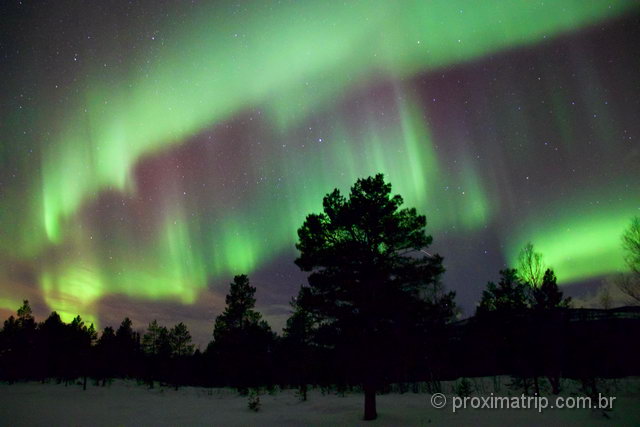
{"type": "Point", "coordinates": [151, 150]}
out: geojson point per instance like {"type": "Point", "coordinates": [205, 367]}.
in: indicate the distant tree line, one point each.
{"type": "Point", "coordinates": [528, 343]}
{"type": "Point", "coordinates": [374, 313]}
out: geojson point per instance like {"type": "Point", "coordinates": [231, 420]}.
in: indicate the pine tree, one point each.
{"type": "Point", "coordinates": [106, 349]}
{"type": "Point", "coordinates": [180, 340]}
{"type": "Point", "coordinates": [126, 341]}
{"type": "Point", "coordinates": [509, 296]}
{"type": "Point", "coordinates": [548, 296]}
{"type": "Point", "coordinates": [369, 272]}
{"type": "Point", "coordinates": [242, 340]}
{"type": "Point", "coordinates": [297, 343]}
{"type": "Point", "coordinates": [239, 311]}
{"type": "Point", "coordinates": [155, 341]}
{"type": "Point", "coordinates": [25, 315]}
{"type": "Point", "coordinates": [546, 336]}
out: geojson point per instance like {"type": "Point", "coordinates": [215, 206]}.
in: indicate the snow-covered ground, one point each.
{"type": "Point", "coordinates": [128, 404]}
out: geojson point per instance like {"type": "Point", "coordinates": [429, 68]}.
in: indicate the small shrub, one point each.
{"type": "Point", "coordinates": [254, 401]}
{"type": "Point", "coordinates": [520, 383]}
{"type": "Point", "coordinates": [301, 393]}
{"type": "Point", "coordinates": [433, 386]}
{"type": "Point", "coordinates": [496, 384]}
{"type": "Point", "coordinates": [463, 388]}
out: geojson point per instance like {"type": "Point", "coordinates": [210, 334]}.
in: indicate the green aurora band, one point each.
{"type": "Point", "coordinates": [293, 62]}
{"type": "Point", "coordinates": [582, 240]}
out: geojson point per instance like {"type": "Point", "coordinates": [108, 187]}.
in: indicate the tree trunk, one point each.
{"type": "Point", "coordinates": [536, 385]}
{"type": "Point", "coordinates": [555, 384]}
{"type": "Point", "coordinates": [370, 412]}
{"type": "Point", "coordinates": [303, 392]}
{"type": "Point", "coordinates": [84, 383]}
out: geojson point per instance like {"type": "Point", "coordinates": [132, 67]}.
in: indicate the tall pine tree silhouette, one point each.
{"type": "Point", "coordinates": [369, 271]}
{"type": "Point", "coordinates": [242, 340]}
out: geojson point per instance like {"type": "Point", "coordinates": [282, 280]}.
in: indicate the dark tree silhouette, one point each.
{"type": "Point", "coordinates": [180, 351]}
{"type": "Point", "coordinates": [239, 311]}
{"type": "Point", "coordinates": [107, 353]}
{"type": "Point", "coordinates": [81, 340]}
{"type": "Point", "coordinates": [156, 342]}
{"type": "Point", "coordinates": [503, 310]}
{"type": "Point", "coordinates": [18, 337]}
{"type": "Point", "coordinates": [547, 338]}
{"type": "Point", "coordinates": [509, 296]}
{"type": "Point", "coordinates": [52, 340]}
{"type": "Point", "coordinates": [369, 270]}
{"type": "Point", "coordinates": [548, 296]}
{"type": "Point", "coordinates": [180, 340]}
{"type": "Point", "coordinates": [156, 345]}
{"type": "Point", "coordinates": [242, 341]}
{"type": "Point", "coordinates": [127, 342]}
{"type": "Point", "coordinates": [297, 344]}
{"type": "Point", "coordinates": [513, 309]}
{"type": "Point", "coordinates": [25, 316]}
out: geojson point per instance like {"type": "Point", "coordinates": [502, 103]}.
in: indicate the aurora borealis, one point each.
{"type": "Point", "coordinates": [150, 151]}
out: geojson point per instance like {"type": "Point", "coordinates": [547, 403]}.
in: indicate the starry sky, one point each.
{"type": "Point", "coordinates": [151, 150]}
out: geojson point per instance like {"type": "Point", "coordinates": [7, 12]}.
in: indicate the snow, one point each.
{"type": "Point", "coordinates": [124, 403]}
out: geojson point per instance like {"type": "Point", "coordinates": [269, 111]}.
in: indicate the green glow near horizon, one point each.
{"type": "Point", "coordinates": [72, 293]}
{"type": "Point", "coordinates": [291, 63]}
{"type": "Point", "coordinates": [10, 303]}
{"type": "Point", "coordinates": [578, 243]}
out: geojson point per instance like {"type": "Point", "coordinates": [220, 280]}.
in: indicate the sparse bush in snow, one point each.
{"type": "Point", "coordinates": [301, 393]}
{"type": "Point", "coordinates": [254, 401]}
{"type": "Point", "coordinates": [463, 388]}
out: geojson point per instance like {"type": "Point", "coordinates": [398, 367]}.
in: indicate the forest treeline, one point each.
{"type": "Point", "coordinates": [373, 313]}
{"type": "Point", "coordinates": [582, 344]}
